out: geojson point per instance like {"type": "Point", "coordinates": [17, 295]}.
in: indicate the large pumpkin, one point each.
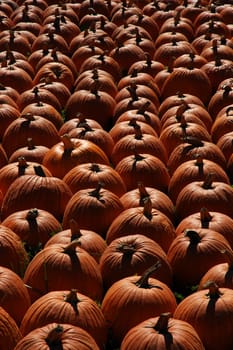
{"type": "Point", "coordinates": [209, 311]}
{"type": "Point", "coordinates": [161, 332]}
{"type": "Point", "coordinates": [66, 306]}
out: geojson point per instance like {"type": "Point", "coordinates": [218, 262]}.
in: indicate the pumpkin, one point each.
{"type": "Point", "coordinates": [14, 294]}
{"type": "Point", "coordinates": [138, 143]}
{"type": "Point", "coordinates": [8, 113]}
{"type": "Point", "coordinates": [173, 135]}
{"type": "Point", "coordinates": [89, 240]}
{"type": "Point", "coordinates": [63, 266]}
{"type": "Point", "coordinates": [66, 306]}
{"type": "Point", "coordinates": [12, 171]}
{"type": "Point", "coordinates": [98, 136]}
{"type": "Point", "coordinates": [93, 103]}
{"type": "Point", "coordinates": [41, 130]}
{"type": "Point", "coordinates": [192, 253]}
{"type": "Point", "coordinates": [191, 112]}
{"type": "Point", "coordinates": [64, 335]}
{"type": "Point", "coordinates": [159, 199]}
{"type": "Point", "coordinates": [13, 254]}
{"type": "Point", "coordinates": [194, 170]}
{"type": "Point", "coordinates": [31, 191]}
{"type": "Point", "coordinates": [9, 331]}
{"type": "Point", "coordinates": [190, 148]}
{"type": "Point", "coordinates": [143, 167]}
{"type": "Point", "coordinates": [57, 71]}
{"type": "Point", "coordinates": [209, 311]}
{"type": "Point", "coordinates": [38, 95]}
{"type": "Point", "coordinates": [31, 152]}
{"type": "Point", "coordinates": [90, 174]}
{"type": "Point", "coordinates": [220, 273]}
{"type": "Point", "coordinates": [102, 205]}
{"type": "Point", "coordinates": [45, 110]}
{"type": "Point", "coordinates": [161, 332]}
{"type": "Point", "coordinates": [69, 152]}
{"type": "Point", "coordinates": [213, 220]}
{"type": "Point", "coordinates": [33, 226]}
{"type": "Point", "coordinates": [182, 77]}
{"type": "Point", "coordinates": [143, 220]}
{"type": "Point", "coordinates": [134, 299]}
{"type": "Point", "coordinates": [215, 195]}
{"type": "Point", "coordinates": [131, 255]}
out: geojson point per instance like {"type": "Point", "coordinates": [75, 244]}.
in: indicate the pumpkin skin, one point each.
{"type": "Point", "coordinates": [182, 77]}
{"type": "Point", "coordinates": [9, 331]}
{"type": "Point", "coordinates": [221, 273]}
{"type": "Point", "coordinates": [190, 148]}
{"type": "Point", "coordinates": [69, 152]}
{"type": "Point", "coordinates": [192, 253]}
{"type": "Point", "coordinates": [33, 226]}
{"type": "Point", "coordinates": [194, 170]}
{"type": "Point", "coordinates": [134, 299]}
{"type": "Point", "coordinates": [213, 220]}
{"type": "Point", "coordinates": [59, 267]}
{"type": "Point", "coordinates": [30, 191]}
{"type": "Point", "coordinates": [12, 171]}
{"type": "Point", "coordinates": [99, 204]}
{"type": "Point", "coordinates": [15, 298]}
{"type": "Point", "coordinates": [161, 332]}
{"type": "Point", "coordinates": [89, 240]}
{"type": "Point", "coordinates": [159, 200]}
{"type": "Point", "coordinates": [216, 196]}
{"type": "Point", "coordinates": [31, 152]}
{"type": "Point", "coordinates": [13, 254]}
{"type": "Point", "coordinates": [143, 220]}
{"type": "Point", "coordinates": [210, 313]}
{"type": "Point", "coordinates": [140, 143]}
{"type": "Point", "coordinates": [41, 130]}
{"type": "Point", "coordinates": [144, 168]}
{"type": "Point", "coordinates": [66, 306]}
{"type": "Point", "coordinates": [131, 255]}
{"type": "Point", "coordinates": [50, 335]}
{"type": "Point", "coordinates": [88, 175]}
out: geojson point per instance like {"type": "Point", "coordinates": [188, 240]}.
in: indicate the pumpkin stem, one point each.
{"type": "Point", "coordinates": [95, 168]}
{"type": "Point", "coordinates": [214, 292]}
{"type": "Point", "coordinates": [75, 230]}
{"type": "Point", "coordinates": [126, 249]}
{"type": "Point", "coordinates": [193, 236]}
{"type": "Point", "coordinates": [132, 90]}
{"type": "Point", "coordinates": [53, 339]}
{"type": "Point", "coordinates": [96, 192]}
{"type": "Point", "coordinates": [30, 143]}
{"type": "Point", "coordinates": [162, 324]}
{"type": "Point", "coordinates": [70, 249]}
{"type": "Point", "coordinates": [39, 170]}
{"type": "Point", "coordinates": [143, 281]}
{"type": "Point", "coordinates": [205, 218]}
{"type": "Point", "coordinates": [144, 108]}
{"type": "Point", "coordinates": [143, 193]}
{"type": "Point", "coordinates": [72, 299]}
{"type": "Point", "coordinates": [199, 163]}
{"type": "Point", "coordinates": [67, 142]}
{"type": "Point", "coordinates": [207, 184]}
{"type": "Point", "coordinates": [32, 214]}
{"type": "Point", "coordinates": [22, 165]}
{"type": "Point", "coordinates": [148, 60]}
{"type": "Point", "coordinates": [138, 132]}
{"type": "Point", "coordinates": [147, 211]}
{"type": "Point", "coordinates": [193, 141]}
{"type": "Point", "coordinates": [180, 110]}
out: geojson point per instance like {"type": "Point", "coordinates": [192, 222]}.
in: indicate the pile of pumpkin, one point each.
{"type": "Point", "coordinates": [116, 165]}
